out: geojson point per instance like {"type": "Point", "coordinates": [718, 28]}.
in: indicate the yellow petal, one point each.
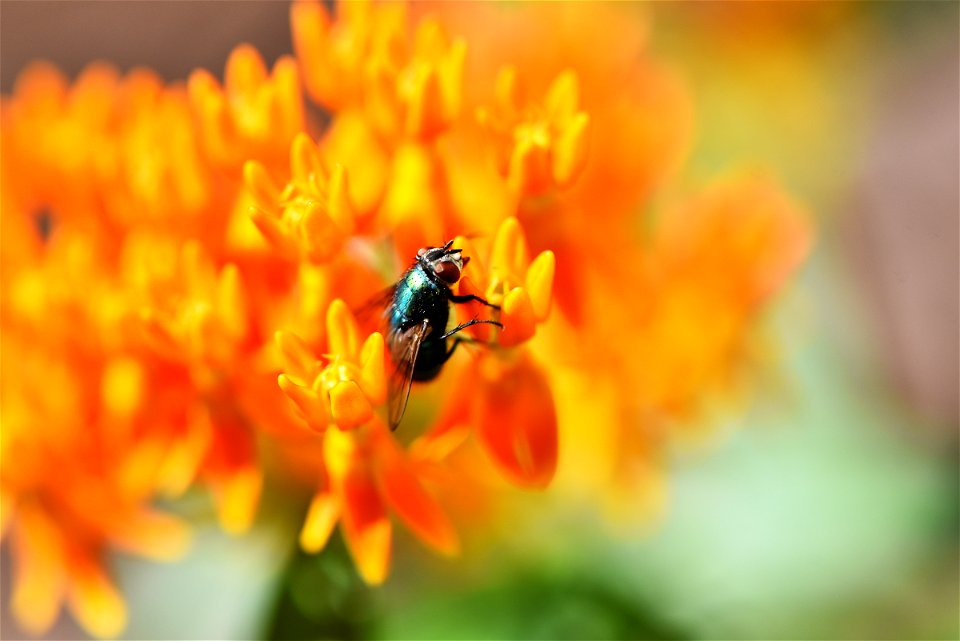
{"type": "Point", "coordinates": [339, 208]}
{"type": "Point", "coordinates": [343, 335]}
{"type": "Point", "coordinates": [179, 467]}
{"type": "Point", "coordinates": [563, 97]}
{"type": "Point", "coordinates": [289, 101]}
{"type": "Point", "coordinates": [373, 380]}
{"type": "Point", "coordinates": [39, 570]}
{"type": "Point", "coordinates": [245, 71]}
{"type": "Point", "coordinates": [264, 190]}
{"type": "Point", "coordinates": [321, 517]}
{"type": "Point", "coordinates": [570, 150]}
{"type": "Point", "coordinates": [232, 302]}
{"type": "Point", "coordinates": [153, 534]}
{"type": "Point", "coordinates": [237, 498]}
{"type": "Point", "coordinates": [539, 282]}
{"type": "Point", "coordinates": [305, 161]}
{"type": "Point", "coordinates": [94, 600]}
{"type": "Point", "coordinates": [510, 253]}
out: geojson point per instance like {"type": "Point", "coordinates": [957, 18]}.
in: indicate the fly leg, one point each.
{"type": "Point", "coordinates": [469, 298]}
{"type": "Point", "coordinates": [475, 321]}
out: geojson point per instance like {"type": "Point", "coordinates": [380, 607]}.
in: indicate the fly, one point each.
{"type": "Point", "coordinates": [418, 314]}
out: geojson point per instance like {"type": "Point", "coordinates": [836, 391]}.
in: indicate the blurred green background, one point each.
{"type": "Point", "coordinates": [829, 510]}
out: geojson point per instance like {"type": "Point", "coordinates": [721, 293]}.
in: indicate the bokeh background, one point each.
{"type": "Point", "coordinates": [823, 506]}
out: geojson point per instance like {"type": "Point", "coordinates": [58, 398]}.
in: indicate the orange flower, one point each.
{"type": "Point", "coordinates": [164, 316]}
{"type": "Point", "coordinates": [366, 60]}
{"type": "Point", "coordinates": [254, 115]}
{"type": "Point", "coordinates": [367, 473]}
{"type": "Point", "coordinates": [346, 386]}
{"type": "Point", "coordinates": [521, 287]}
{"type": "Point", "coordinates": [539, 147]}
{"type": "Point", "coordinates": [312, 213]}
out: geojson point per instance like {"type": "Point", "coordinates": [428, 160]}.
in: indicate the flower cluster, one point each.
{"type": "Point", "coordinates": [183, 268]}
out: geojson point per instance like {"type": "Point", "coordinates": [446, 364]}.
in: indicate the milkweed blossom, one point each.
{"type": "Point", "coordinates": [185, 270]}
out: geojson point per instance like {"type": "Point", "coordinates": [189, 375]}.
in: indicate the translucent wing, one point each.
{"type": "Point", "coordinates": [372, 313]}
{"type": "Point", "coordinates": [404, 346]}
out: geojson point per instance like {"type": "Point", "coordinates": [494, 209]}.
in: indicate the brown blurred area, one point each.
{"type": "Point", "coordinates": [172, 37]}
{"type": "Point", "coordinates": [904, 231]}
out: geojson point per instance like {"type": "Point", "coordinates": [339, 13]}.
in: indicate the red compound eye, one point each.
{"type": "Point", "coordinates": [447, 271]}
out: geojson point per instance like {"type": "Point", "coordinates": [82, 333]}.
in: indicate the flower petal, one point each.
{"type": "Point", "coordinates": [373, 381]}
{"type": "Point", "coordinates": [237, 498]}
{"type": "Point", "coordinates": [539, 283]}
{"type": "Point", "coordinates": [94, 600]}
{"type": "Point", "coordinates": [366, 526]}
{"type": "Point", "coordinates": [404, 492]}
{"type": "Point", "coordinates": [519, 319]}
{"type": "Point", "coordinates": [39, 580]}
{"type": "Point", "coordinates": [349, 406]}
{"type": "Point", "coordinates": [321, 517]}
{"type": "Point", "coordinates": [517, 423]}
{"type": "Point", "coordinates": [343, 335]}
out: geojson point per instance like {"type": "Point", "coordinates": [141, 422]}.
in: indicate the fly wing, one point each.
{"type": "Point", "coordinates": [404, 346]}
{"type": "Point", "coordinates": [373, 311]}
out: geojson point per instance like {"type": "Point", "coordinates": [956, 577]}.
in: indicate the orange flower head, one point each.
{"type": "Point", "coordinates": [346, 385]}
{"type": "Point", "coordinates": [255, 114]}
{"type": "Point", "coordinates": [540, 146]}
{"type": "Point", "coordinates": [523, 288]}
{"type": "Point", "coordinates": [366, 60]}
{"type": "Point", "coordinates": [196, 312]}
{"type": "Point", "coordinates": [312, 214]}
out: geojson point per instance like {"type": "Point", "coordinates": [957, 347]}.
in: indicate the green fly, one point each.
{"type": "Point", "coordinates": [418, 314]}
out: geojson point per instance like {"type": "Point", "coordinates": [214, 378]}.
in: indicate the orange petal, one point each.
{"type": "Point", "coordinates": [299, 362]}
{"type": "Point", "coordinates": [265, 191]}
{"type": "Point", "coordinates": [321, 238]}
{"type": "Point", "coordinates": [309, 404]}
{"type": "Point", "coordinates": [237, 498]}
{"type": "Point", "coordinates": [321, 517]}
{"type": "Point", "coordinates": [519, 320]}
{"type": "Point", "coordinates": [179, 467]}
{"type": "Point", "coordinates": [309, 25]}
{"type": "Point", "coordinates": [349, 406]}
{"type": "Point", "coordinates": [152, 534]}
{"type": "Point", "coordinates": [539, 283]}
{"type": "Point", "coordinates": [425, 113]}
{"type": "Point", "coordinates": [94, 600]}
{"type": "Point", "coordinates": [509, 92]}
{"type": "Point", "coordinates": [39, 563]}
{"type": "Point", "coordinates": [245, 71]}
{"type": "Point", "coordinates": [517, 424]}
{"type": "Point", "coordinates": [402, 489]}
{"type": "Point", "coordinates": [529, 171]}
{"type": "Point", "coordinates": [366, 525]}
{"type": "Point", "coordinates": [374, 378]}
{"type": "Point", "coordinates": [343, 335]}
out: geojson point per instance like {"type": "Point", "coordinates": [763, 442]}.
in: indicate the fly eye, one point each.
{"type": "Point", "coordinates": [447, 271]}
